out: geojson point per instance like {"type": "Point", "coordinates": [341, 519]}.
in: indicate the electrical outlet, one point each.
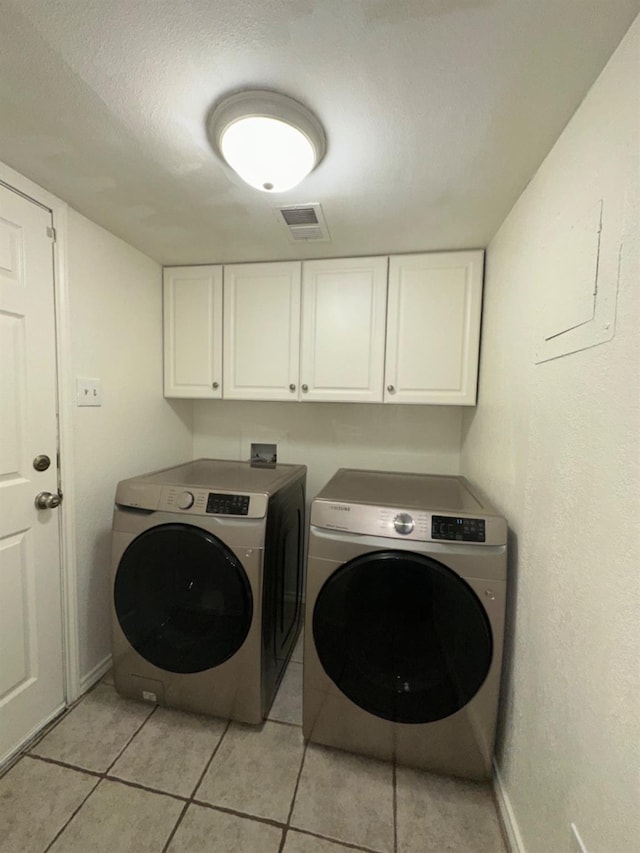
{"type": "Point", "coordinates": [88, 392]}
{"type": "Point", "coordinates": [578, 844]}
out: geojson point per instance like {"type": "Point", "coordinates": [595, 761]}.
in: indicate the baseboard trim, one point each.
{"type": "Point", "coordinates": [509, 822]}
{"type": "Point", "coordinates": [87, 681]}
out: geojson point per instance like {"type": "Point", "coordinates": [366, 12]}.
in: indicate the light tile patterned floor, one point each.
{"type": "Point", "coordinates": [116, 776]}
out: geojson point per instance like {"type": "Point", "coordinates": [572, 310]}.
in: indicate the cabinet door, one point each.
{"type": "Point", "coordinates": [193, 332]}
{"type": "Point", "coordinates": [433, 328]}
{"type": "Point", "coordinates": [343, 328]}
{"type": "Point", "coordinates": [261, 331]}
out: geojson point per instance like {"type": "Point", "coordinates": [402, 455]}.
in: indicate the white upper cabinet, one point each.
{"type": "Point", "coordinates": [433, 328]}
{"type": "Point", "coordinates": [343, 329]}
{"type": "Point", "coordinates": [193, 332]}
{"type": "Point", "coordinates": [261, 331]}
{"type": "Point", "coordinates": [403, 329]}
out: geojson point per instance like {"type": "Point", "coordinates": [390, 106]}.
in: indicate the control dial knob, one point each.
{"type": "Point", "coordinates": [403, 523]}
{"type": "Point", "coordinates": [185, 500]}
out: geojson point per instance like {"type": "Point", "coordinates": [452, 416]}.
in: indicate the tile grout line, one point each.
{"type": "Point", "coordinates": [71, 817]}
{"type": "Point", "coordinates": [100, 776]}
{"type": "Point", "coordinates": [176, 827]}
{"type": "Point", "coordinates": [26, 752]}
{"type": "Point", "coordinates": [283, 840]}
{"type": "Point", "coordinates": [108, 777]}
{"type": "Point", "coordinates": [58, 763]}
{"type": "Point", "coordinates": [35, 740]}
{"type": "Point", "coordinates": [51, 725]}
{"type": "Point", "coordinates": [225, 810]}
{"type": "Point", "coordinates": [340, 842]}
{"type": "Point", "coordinates": [191, 800]}
{"type": "Point", "coordinates": [187, 801]}
{"type": "Point", "coordinates": [210, 761]}
{"type": "Point", "coordinates": [283, 723]}
{"type": "Point", "coordinates": [105, 775]}
{"type": "Point", "coordinates": [288, 826]}
{"type": "Point", "coordinates": [132, 738]}
{"type": "Point", "coordinates": [202, 804]}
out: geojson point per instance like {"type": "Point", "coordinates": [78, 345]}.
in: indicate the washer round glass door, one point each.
{"type": "Point", "coordinates": [182, 598]}
{"type": "Point", "coordinates": [402, 636]}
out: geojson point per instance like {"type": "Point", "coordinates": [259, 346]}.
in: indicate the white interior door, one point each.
{"type": "Point", "coordinates": [31, 658]}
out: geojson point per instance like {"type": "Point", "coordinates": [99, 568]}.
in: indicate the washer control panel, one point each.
{"type": "Point", "coordinates": [194, 501]}
{"type": "Point", "coordinates": [403, 523]}
{"type": "Point", "coordinates": [452, 528]}
{"type": "Point", "coordinates": [408, 524]}
{"type": "Point", "coordinates": [227, 504]}
{"type": "Point", "coordinates": [185, 500]}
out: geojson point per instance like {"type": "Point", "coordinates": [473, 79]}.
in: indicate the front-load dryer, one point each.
{"type": "Point", "coordinates": [406, 586]}
{"type": "Point", "coordinates": [207, 561]}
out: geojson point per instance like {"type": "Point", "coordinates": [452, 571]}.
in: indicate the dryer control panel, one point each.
{"type": "Point", "coordinates": [221, 504]}
{"type": "Point", "coordinates": [455, 529]}
{"type": "Point", "coordinates": [188, 500]}
{"type": "Point", "coordinates": [203, 502]}
{"type": "Point", "coordinates": [408, 523]}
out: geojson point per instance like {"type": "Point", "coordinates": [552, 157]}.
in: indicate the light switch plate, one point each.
{"type": "Point", "coordinates": [88, 392]}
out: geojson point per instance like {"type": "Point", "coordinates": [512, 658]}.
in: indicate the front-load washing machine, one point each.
{"type": "Point", "coordinates": [207, 565]}
{"type": "Point", "coordinates": [405, 603]}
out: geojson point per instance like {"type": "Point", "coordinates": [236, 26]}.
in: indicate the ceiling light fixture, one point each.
{"type": "Point", "coordinates": [270, 140]}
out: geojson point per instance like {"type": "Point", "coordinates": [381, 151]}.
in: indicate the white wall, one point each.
{"type": "Point", "coordinates": [556, 445]}
{"type": "Point", "coordinates": [328, 436]}
{"type": "Point", "coordinates": [115, 300]}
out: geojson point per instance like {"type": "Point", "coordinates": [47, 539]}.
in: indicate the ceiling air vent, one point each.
{"type": "Point", "coordinates": [304, 223]}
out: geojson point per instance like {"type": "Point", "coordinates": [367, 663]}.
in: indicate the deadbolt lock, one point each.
{"type": "Point", "coordinates": [41, 462]}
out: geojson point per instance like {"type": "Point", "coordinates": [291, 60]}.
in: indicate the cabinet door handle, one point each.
{"type": "Point", "coordinates": [305, 388]}
{"type": "Point", "coordinates": [391, 389]}
{"type": "Point", "coordinates": [215, 385]}
{"type": "Point", "coordinates": [292, 387]}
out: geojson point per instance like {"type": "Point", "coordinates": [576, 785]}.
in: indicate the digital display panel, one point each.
{"type": "Point", "coordinates": [218, 504]}
{"type": "Point", "coordinates": [455, 529]}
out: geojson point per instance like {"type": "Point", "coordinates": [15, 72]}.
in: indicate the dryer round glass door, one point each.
{"type": "Point", "coordinates": [182, 598]}
{"type": "Point", "coordinates": [402, 636]}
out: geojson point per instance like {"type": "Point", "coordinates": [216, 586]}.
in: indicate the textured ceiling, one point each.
{"type": "Point", "coordinates": [437, 112]}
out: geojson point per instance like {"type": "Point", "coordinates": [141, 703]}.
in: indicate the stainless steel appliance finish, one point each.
{"type": "Point", "coordinates": [207, 576]}
{"type": "Point", "coordinates": [406, 587]}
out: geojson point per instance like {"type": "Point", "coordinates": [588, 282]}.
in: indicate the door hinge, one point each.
{"type": "Point", "coordinates": [51, 232]}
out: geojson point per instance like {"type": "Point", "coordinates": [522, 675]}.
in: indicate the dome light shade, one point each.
{"type": "Point", "coordinates": [270, 140]}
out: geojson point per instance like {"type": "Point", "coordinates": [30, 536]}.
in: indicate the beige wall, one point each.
{"type": "Point", "coordinates": [328, 436]}
{"type": "Point", "coordinates": [556, 446]}
{"type": "Point", "coordinates": [115, 303]}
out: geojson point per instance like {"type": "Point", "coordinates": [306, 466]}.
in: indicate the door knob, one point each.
{"type": "Point", "coordinates": [47, 500]}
